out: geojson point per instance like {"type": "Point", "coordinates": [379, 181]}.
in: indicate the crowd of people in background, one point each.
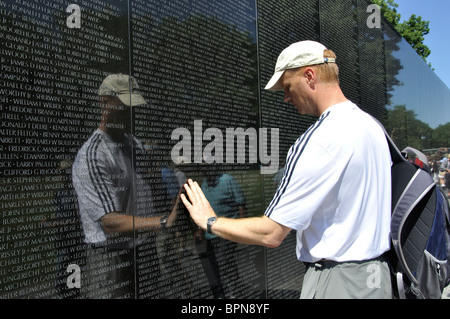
{"type": "Point", "coordinates": [440, 169]}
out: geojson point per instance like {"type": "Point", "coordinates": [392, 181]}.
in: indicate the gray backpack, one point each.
{"type": "Point", "coordinates": [420, 229]}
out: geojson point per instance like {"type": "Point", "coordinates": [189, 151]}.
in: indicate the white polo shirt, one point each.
{"type": "Point", "coordinates": [336, 190]}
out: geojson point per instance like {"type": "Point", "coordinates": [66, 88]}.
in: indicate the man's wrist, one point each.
{"type": "Point", "coordinates": [210, 222]}
{"type": "Point", "coordinates": [163, 221]}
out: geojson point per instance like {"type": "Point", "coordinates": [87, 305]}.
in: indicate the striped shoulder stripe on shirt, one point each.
{"type": "Point", "coordinates": [96, 177]}
{"type": "Point", "coordinates": [292, 159]}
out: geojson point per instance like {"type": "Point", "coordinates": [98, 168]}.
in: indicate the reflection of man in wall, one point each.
{"type": "Point", "coordinates": [227, 199]}
{"type": "Point", "coordinates": [116, 208]}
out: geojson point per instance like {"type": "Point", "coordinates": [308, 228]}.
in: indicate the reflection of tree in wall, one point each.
{"type": "Point", "coordinates": [412, 30]}
{"type": "Point", "coordinates": [368, 69]}
{"type": "Point", "coordinates": [406, 130]}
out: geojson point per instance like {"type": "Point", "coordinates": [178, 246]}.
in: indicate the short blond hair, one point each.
{"type": "Point", "coordinates": [326, 72]}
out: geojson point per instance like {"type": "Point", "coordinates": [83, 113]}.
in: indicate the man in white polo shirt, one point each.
{"type": "Point", "coordinates": [340, 206]}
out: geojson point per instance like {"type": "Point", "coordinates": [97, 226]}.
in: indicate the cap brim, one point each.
{"type": "Point", "coordinates": [132, 99]}
{"type": "Point", "coordinates": [275, 84]}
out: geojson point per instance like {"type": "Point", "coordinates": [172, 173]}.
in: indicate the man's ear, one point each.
{"type": "Point", "coordinates": [310, 76]}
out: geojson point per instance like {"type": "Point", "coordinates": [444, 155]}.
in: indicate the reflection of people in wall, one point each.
{"type": "Point", "coordinates": [340, 207]}
{"type": "Point", "coordinates": [227, 199]}
{"type": "Point", "coordinates": [116, 208]}
{"type": "Point", "coordinates": [445, 168]}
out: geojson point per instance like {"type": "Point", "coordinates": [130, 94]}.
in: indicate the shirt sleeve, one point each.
{"type": "Point", "coordinates": [310, 179]}
{"type": "Point", "coordinates": [101, 194]}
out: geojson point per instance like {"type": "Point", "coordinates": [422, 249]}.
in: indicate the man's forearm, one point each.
{"type": "Point", "coordinates": [255, 230]}
{"type": "Point", "coordinates": [252, 231]}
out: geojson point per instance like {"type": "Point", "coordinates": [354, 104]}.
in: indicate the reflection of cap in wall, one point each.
{"type": "Point", "coordinates": [297, 55]}
{"type": "Point", "coordinates": [122, 86]}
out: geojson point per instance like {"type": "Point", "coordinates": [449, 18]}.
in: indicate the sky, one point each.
{"type": "Point", "coordinates": [438, 40]}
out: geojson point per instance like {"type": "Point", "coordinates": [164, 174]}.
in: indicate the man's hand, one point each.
{"type": "Point", "coordinates": [197, 205]}
{"type": "Point", "coordinates": [252, 231]}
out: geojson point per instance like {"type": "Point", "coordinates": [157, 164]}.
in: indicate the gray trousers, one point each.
{"type": "Point", "coordinates": [369, 279]}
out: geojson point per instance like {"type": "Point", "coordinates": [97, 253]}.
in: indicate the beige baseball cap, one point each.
{"type": "Point", "coordinates": [122, 86]}
{"type": "Point", "coordinates": [297, 55]}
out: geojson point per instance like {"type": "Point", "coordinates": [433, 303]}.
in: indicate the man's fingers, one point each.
{"type": "Point", "coordinates": [190, 194]}
{"type": "Point", "coordinates": [197, 198]}
{"type": "Point", "coordinates": [199, 195]}
{"type": "Point", "coordinates": [195, 191]}
{"type": "Point", "coordinates": [185, 201]}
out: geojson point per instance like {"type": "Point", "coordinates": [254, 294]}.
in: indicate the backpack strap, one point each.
{"type": "Point", "coordinates": [396, 155]}
{"type": "Point", "coordinates": [400, 286]}
{"type": "Point", "coordinates": [419, 155]}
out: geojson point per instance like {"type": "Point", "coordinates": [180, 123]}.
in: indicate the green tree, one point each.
{"type": "Point", "coordinates": [389, 11]}
{"type": "Point", "coordinates": [412, 30]}
{"type": "Point", "coordinates": [441, 135]}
